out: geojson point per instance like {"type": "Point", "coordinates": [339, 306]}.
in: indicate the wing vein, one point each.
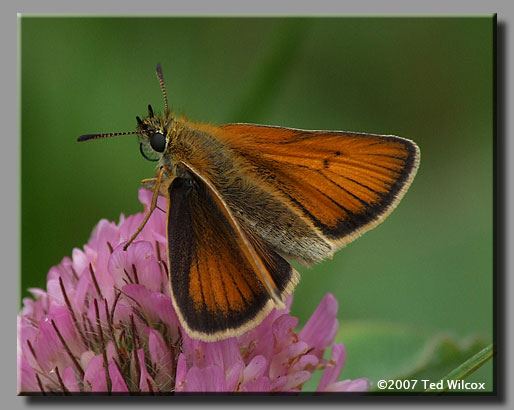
{"type": "Point", "coordinates": [235, 284]}
{"type": "Point", "coordinates": [333, 201]}
{"type": "Point", "coordinates": [384, 155]}
{"type": "Point", "coordinates": [200, 282]}
{"type": "Point", "coordinates": [356, 182]}
{"type": "Point", "coordinates": [223, 284]}
{"type": "Point", "coordinates": [343, 188]}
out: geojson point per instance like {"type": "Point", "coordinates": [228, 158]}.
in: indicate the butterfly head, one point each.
{"type": "Point", "coordinates": [154, 131]}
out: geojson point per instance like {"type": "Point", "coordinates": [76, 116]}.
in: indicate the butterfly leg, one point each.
{"type": "Point", "coordinates": [149, 183]}
{"type": "Point", "coordinates": [153, 205]}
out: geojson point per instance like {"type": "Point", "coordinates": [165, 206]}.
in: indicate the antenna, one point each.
{"type": "Point", "coordinates": [87, 137]}
{"type": "Point", "coordinates": [158, 69]}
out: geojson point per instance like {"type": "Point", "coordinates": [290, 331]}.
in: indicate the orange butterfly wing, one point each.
{"type": "Point", "coordinates": [344, 183]}
{"type": "Point", "coordinates": [215, 288]}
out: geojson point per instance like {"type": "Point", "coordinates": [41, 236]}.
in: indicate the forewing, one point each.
{"type": "Point", "coordinates": [215, 288]}
{"type": "Point", "coordinates": [344, 183]}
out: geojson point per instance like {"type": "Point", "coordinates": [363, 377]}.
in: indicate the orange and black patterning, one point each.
{"type": "Point", "coordinates": [243, 198]}
{"type": "Point", "coordinates": [214, 285]}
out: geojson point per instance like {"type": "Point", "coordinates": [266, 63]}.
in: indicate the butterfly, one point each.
{"type": "Point", "coordinates": [242, 199]}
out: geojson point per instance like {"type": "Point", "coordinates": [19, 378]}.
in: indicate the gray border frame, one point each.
{"type": "Point", "coordinates": [10, 171]}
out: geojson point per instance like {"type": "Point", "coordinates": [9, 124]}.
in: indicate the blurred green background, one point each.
{"type": "Point", "coordinates": [429, 265]}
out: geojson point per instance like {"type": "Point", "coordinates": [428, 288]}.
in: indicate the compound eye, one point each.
{"type": "Point", "coordinates": [158, 142]}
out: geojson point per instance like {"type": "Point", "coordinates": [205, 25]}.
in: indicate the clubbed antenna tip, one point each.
{"type": "Point", "coordinates": [87, 137]}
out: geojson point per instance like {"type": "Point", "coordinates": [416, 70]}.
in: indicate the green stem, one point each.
{"type": "Point", "coordinates": [465, 369]}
